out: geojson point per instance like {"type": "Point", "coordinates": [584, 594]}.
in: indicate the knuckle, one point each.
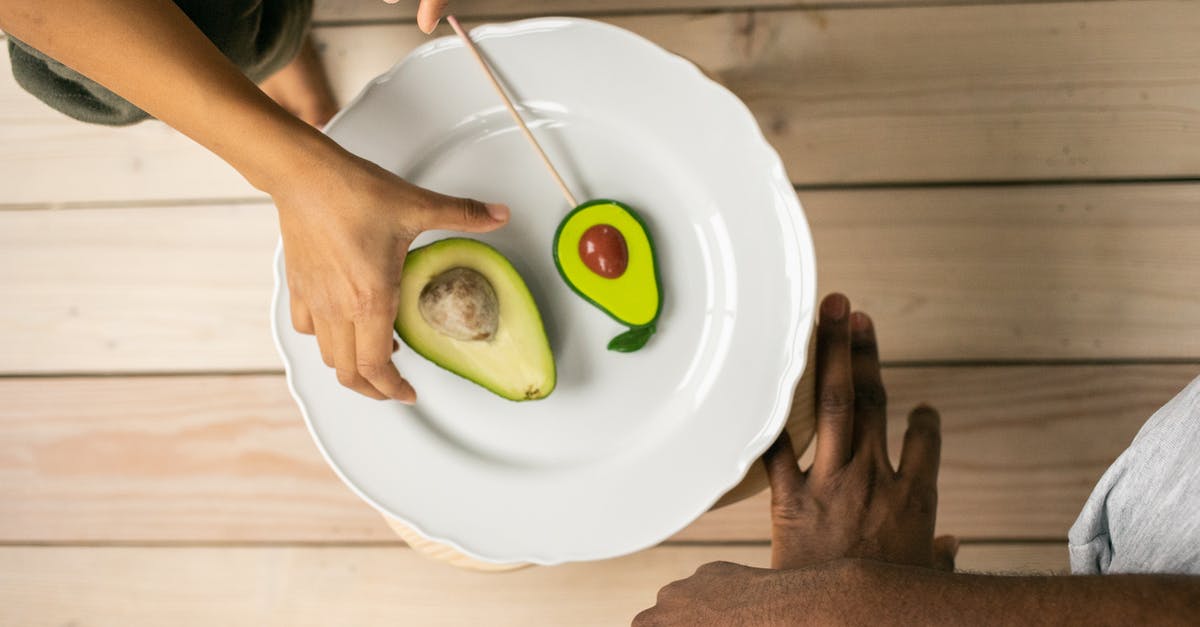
{"type": "Point", "coordinates": [836, 401]}
{"type": "Point", "coordinates": [321, 308]}
{"type": "Point", "coordinates": [470, 210]}
{"type": "Point", "coordinates": [872, 396]}
{"type": "Point", "coordinates": [370, 368]}
{"type": "Point", "coordinates": [921, 499]}
{"type": "Point", "coordinates": [347, 378]}
{"type": "Point", "coordinates": [718, 566]}
{"type": "Point", "coordinates": [668, 592]}
{"type": "Point", "coordinates": [371, 302]}
{"type": "Point", "coordinates": [786, 508]}
{"type": "Point", "coordinates": [865, 347]}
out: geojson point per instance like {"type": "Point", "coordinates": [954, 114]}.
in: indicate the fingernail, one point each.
{"type": "Point", "coordinates": [835, 307]}
{"type": "Point", "coordinates": [859, 321]}
{"type": "Point", "coordinates": [498, 212]}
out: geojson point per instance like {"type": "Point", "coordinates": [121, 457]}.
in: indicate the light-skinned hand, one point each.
{"type": "Point", "coordinates": [346, 228]}
{"type": "Point", "coordinates": [429, 13]}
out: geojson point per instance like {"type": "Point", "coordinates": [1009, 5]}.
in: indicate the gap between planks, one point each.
{"type": "Point", "coordinates": [931, 185]}
{"type": "Point", "coordinates": [892, 365]}
{"type": "Point", "coordinates": [398, 543]}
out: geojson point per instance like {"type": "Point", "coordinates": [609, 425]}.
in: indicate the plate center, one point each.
{"type": "Point", "coordinates": [605, 403]}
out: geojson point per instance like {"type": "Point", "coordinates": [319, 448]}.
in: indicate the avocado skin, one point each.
{"type": "Point", "coordinates": [626, 342]}
{"type": "Point", "coordinates": [408, 335]}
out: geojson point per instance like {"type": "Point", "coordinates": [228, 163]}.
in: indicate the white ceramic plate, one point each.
{"type": "Point", "coordinates": [629, 448]}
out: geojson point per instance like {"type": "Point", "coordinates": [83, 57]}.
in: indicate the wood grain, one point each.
{"type": "Point", "coordinates": [366, 586]}
{"type": "Point", "coordinates": [152, 289]}
{"type": "Point", "coordinates": [992, 273]}
{"type": "Point", "coordinates": [1093, 90]}
{"type": "Point", "coordinates": [1068, 272]}
{"type": "Point", "coordinates": [227, 458]}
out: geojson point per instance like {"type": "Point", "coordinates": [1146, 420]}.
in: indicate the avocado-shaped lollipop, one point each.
{"type": "Point", "coordinates": [604, 252]}
{"type": "Point", "coordinates": [602, 249]}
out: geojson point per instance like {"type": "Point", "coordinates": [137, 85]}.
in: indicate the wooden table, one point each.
{"type": "Point", "coordinates": [1012, 190]}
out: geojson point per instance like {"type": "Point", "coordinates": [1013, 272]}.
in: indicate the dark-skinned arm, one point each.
{"type": "Point", "coordinates": [852, 536]}
{"type": "Point", "coordinates": [872, 592]}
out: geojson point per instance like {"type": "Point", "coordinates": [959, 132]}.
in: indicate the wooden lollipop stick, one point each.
{"type": "Point", "coordinates": [562, 185]}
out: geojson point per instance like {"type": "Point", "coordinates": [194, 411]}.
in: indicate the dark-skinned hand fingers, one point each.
{"type": "Point", "coordinates": [945, 549]}
{"type": "Point", "coordinates": [783, 473]}
{"type": "Point", "coordinates": [922, 450]}
{"type": "Point", "coordinates": [870, 397]}
{"type": "Point", "coordinates": [835, 386]}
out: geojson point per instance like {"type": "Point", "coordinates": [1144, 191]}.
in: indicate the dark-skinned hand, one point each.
{"type": "Point", "coordinates": [850, 504]}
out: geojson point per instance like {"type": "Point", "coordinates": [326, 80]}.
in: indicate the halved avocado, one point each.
{"type": "Point", "coordinates": [465, 308]}
{"type": "Point", "coordinates": [624, 282]}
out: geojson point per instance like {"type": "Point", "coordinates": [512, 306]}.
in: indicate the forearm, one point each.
{"type": "Point", "coordinates": [150, 53]}
{"type": "Point", "coordinates": [879, 593]}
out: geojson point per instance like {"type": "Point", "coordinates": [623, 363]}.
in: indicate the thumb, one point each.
{"type": "Point", "coordinates": [463, 214]}
{"type": "Point", "coordinates": [945, 549]}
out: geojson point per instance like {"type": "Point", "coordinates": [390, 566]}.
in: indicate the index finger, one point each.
{"type": "Point", "coordinates": [373, 351]}
{"type": "Point", "coordinates": [835, 386]}
{"type": "Point", "coordinates": [783, 473]}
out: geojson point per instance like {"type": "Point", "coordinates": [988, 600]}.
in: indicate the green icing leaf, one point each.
{"type": "Point", "coordinates": [631, 340]}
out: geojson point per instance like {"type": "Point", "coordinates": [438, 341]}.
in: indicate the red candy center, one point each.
{"type": "Point", "coordinates": [602, 249]}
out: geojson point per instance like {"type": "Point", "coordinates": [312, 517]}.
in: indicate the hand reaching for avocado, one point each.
{"type": "Point", "coordinates": [346, 227]}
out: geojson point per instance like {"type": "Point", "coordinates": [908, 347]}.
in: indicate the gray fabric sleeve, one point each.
{"type": "Point", "coordinates": [1144, 514]}
{"type": "Point", "coordinates": [259, 36]}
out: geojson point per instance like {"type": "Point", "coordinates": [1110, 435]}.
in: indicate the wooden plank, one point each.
{"type": "Point", "coordinates": [1093, 272]}
{"type": "Point", "coordinates": [363, 586]}
{"type": "Point", "coordinates": [1093, 90]}
{"type": "Point", "coordinates": [98, 290]}
{"type": "Point", "coordinates": [1041, 558]}
{"type": "Point", "coordinates": [1022, 446]}
{"type": "Point", "coordinates": [223, 458]}
{"type": "Point", "coordinates": [1070, 272]}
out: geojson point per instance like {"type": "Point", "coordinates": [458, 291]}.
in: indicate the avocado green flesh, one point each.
{"type": "Point", "coordinates": [516, 363]}
{"type": "Point", "coordinates": [634, 298]}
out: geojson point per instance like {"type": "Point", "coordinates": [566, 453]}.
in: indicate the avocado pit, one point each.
{"type": "Point", "coordinates": [603, 250]}
{"type": "Point", "coordinates": [460, 303]}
